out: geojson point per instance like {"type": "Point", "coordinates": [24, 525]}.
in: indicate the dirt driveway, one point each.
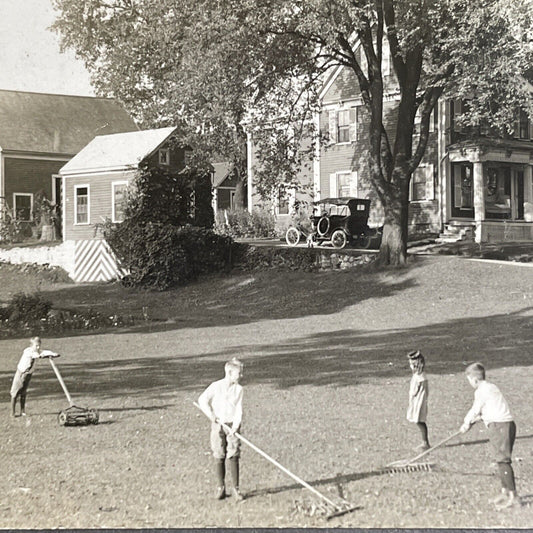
{"type": "Point", "coordinates": [325, 393]}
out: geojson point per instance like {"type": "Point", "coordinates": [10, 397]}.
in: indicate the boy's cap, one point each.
{"type": "Point", "coordinates": [415, 354]}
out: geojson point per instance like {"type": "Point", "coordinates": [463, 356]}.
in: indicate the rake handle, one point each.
{"type": "Point", "coordinates": [438, 445]}
{"type": "Point", "coordinates": [275, 463]}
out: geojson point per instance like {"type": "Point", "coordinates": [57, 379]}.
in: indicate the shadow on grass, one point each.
{"type": "Point", "coordinates": [339, 358]}
{"type": "Point", "coordinates": [239, 298]}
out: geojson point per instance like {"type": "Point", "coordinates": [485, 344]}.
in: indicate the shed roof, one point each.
{"type": "Point", "coordinates": [221, 172]}
{"type": "Point", "coordinates": [54, 123]}
{"type": "Point", "coordinates": [118, 151]}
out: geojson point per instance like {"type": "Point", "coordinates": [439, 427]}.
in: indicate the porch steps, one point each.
{"type": "Point", "coordinates": [456, 231]}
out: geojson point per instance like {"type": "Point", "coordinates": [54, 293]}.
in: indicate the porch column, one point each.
{"type": "Point", "coordinates": [479, 198]}
{"type": "Point", "coordinates": [528, 193]}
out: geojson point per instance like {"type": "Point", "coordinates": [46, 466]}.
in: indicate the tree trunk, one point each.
{"type": "Point", "coordinates": [240, 193]}
{"type": "Point", "coordinates": [393, 250]}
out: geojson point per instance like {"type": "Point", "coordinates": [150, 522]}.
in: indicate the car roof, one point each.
{"type": "Point", "coordinates": [345, 200]}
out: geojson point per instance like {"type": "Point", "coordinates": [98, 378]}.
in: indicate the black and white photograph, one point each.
{"type": "Point", "coordinates": [266, 264]}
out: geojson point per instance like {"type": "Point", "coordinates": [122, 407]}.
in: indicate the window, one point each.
{"type": "Point", "coordinates": [23, 206]}
{"type": "Point", "coordinates": [342, 184]}
{"type": "Point", "coordinates": [522, 125]}
{"type": "Point", "coordinates": [343, 125]}
{"type": "Point", "coordinates": [422, 185]}
{"type": "Point", "coordinates": [119, 191]}
{"type": "Point", "coordinates": [81, 206]}
{"type": "Point", "coordinates": [164, 156]}
{"type": "Point", "coordinates": [283, 203]}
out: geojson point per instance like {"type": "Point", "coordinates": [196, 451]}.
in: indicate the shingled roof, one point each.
{"type": "Point", "coordinates": [59, 124]}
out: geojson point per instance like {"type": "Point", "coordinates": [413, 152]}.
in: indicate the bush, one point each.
{"type": "Point", "coordinates": [160, 256]}
{"type": "Point", "coordinates": [241, 223]}
{"type": "Point", "coordinates": [27, 308]}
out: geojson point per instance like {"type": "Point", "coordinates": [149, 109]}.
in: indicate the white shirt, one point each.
{"type": "Point", "coordinates": [224, 401]}
{"type": "Point", "coordinates": [28, 359]}
{"type": "Point", "coordinates": [490, 404]}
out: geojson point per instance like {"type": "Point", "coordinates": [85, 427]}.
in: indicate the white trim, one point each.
{"type": "Point", "coordinates": [39, 157]}
{"type": "Point", "coordinates": [316, 161]}
{"type": "Point", "coordinates": [76, 187]}
{"type": "Point", "coordinates": [30, 194]}
{"type": "Point", "coordinates": [2, 175]}
{"type": "Point", "coordinates": [64, 208]}
{"type": "Point", "coordinates": [249, 169]}
{"type": "Point", "coordinates": [54, 196]}
{"type": "Point", "coordinates": [98, 171]}
{"type": "Point", "coordinates": [113, 184]}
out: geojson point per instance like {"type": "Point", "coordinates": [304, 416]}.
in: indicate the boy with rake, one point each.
{"type": "Point", "coordinates": [222, 403]}
{"type": "Point", "coordinates": [24, 372]}
{"type": "Point", "coordinates": [491, 407]}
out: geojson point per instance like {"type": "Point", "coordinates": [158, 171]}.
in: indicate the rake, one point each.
{"type": "Point", "coordinates": [338, 509]}
{"type": "Point", "coordinates": [409, 465]}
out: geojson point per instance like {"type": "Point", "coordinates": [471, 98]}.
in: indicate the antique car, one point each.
{"type": "Point", "coordinates": [341, 221]}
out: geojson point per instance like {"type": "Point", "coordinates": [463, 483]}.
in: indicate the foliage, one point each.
{"type": "Point", "coordinates": [241, 223]}
{"type": "Point", "coordinates": [11, 229]}
{"type": "Point", "coordinates": [212, 63]}
{"type": "Point", "coordinates": [27, 308]}
{"type": "Point", "coordinates": [160, 256]}
{"type": "Point", "coordinates": [158, 195]}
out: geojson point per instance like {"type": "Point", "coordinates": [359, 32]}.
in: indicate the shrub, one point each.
{"type": "Point", "coordinates": [26, 308]}
{"type": "Point", "coordinates": [160, 256]}
{"type": "Point", "coordinates": [241, 223]}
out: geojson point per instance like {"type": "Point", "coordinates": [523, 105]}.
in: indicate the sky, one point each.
{"type": "Point", "coordinates": [30, 59]}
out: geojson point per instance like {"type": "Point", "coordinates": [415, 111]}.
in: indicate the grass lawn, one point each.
{"type": "Point", "coordinates": [326, 382]}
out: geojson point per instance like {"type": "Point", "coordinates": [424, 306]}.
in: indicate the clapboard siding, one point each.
{"type": "Point", "coordinates": [100, 202]}
{"type": "Point", "coordinates": [29, 176]}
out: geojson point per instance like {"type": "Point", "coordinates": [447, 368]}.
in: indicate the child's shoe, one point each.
{"type": "Point", "coordinates": [237, 494]}
{"type": "Point", "coordinates": [512, 500]}
{"type": "Point", "coordinates": [220, 493]}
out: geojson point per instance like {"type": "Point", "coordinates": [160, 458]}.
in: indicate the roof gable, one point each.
{"type": "Point", "coordinates": [53, 123]}
{"type": "Point", "coordinates": [118, 151]}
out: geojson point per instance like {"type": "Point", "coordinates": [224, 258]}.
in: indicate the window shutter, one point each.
{"type": "Point", "coordinates": [430, 183]}
{"type": "Point", "coordinates": [333, 126]}
{"type": "Point", "coordinates": [353, 124]}
{"type": "Point", "coordinates": [353, 184]}
{"type": "Point", "coordinates": [333, 192]}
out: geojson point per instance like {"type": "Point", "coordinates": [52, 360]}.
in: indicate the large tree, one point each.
{"type": "Point", "coordinates": [477, 50]}
{"type": "Point", "coordinates": [266, 58]}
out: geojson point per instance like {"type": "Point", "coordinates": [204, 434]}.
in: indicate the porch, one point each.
{"type": "Point", "coordinates": [490, 187]}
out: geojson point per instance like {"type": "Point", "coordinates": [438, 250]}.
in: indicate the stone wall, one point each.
{"type": "Point", "coordinates": [61, 255]}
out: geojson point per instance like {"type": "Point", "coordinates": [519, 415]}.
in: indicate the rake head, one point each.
{"type": "Point", "coordinates": [400, 467]}
{"type": "Point", "coordinates": [313, 508]}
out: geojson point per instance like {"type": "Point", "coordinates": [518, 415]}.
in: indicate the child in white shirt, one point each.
{"type": "Point", "coordinates": [491, 407]}
{"type": "Point", "coordinates": [222, 403]}
{"type": "Point", "coordinates": [25, 368]}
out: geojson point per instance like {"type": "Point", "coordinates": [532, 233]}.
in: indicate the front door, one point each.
{"type": "Point", "coordinates": [462, 190]}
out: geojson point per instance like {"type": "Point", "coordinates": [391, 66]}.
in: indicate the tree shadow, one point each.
{"type": "Point", "coordinates": [341, 358]}
{"type": "Point", "coordinates": [240, 298]}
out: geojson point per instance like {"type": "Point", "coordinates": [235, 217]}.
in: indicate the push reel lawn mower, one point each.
{"type": "Point", "coordinates": [73, 415]}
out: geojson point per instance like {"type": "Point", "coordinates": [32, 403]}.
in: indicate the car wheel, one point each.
{"type": "Point", "coordinates": [292, 236]}
{"type": "Point", "coordinates": [338, 239]}
{"type": "Point", "coordinates": [322, 226]}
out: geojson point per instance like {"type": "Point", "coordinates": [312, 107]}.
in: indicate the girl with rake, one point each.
{"type": "Point", "coordinates": [418, 397]}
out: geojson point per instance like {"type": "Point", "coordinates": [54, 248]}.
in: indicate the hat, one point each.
{"type": "Point", "coordinates": [415, 354]}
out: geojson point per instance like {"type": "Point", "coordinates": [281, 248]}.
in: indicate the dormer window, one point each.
{"type": "Point", "coordinates": [164, 156]}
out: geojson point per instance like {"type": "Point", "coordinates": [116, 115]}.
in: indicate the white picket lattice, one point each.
{"type": "Point", "coordinates": [94, 261]}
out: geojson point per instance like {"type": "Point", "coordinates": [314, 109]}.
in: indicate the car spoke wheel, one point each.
{"type": "Point", "coordinates": [322, 226]}
{"type": "Point", "coordinates": [364, 241]}
{"type": "Point", "coordinates": [338, 239]}
{"type": "Point", "coordinates": [292, 236]}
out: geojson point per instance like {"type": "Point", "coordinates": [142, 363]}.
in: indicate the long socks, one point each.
{"type": "Point", "coordinates": [220, 469]}
{"type": "Point", "coordinates": [234, 471]}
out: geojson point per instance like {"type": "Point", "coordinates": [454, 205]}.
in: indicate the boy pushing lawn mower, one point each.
{"type": "Point", "coordinates": [24, 373]}
{"type": "Point", "coordinates": [491, 407]}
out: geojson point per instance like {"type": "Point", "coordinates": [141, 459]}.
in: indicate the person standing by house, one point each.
{"type": "Point", "coordinates": [24, 372]}
{"type": "Point", "coordinates": [418, 396]}
{"type": "Point", "coordinates": [222, 403]}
